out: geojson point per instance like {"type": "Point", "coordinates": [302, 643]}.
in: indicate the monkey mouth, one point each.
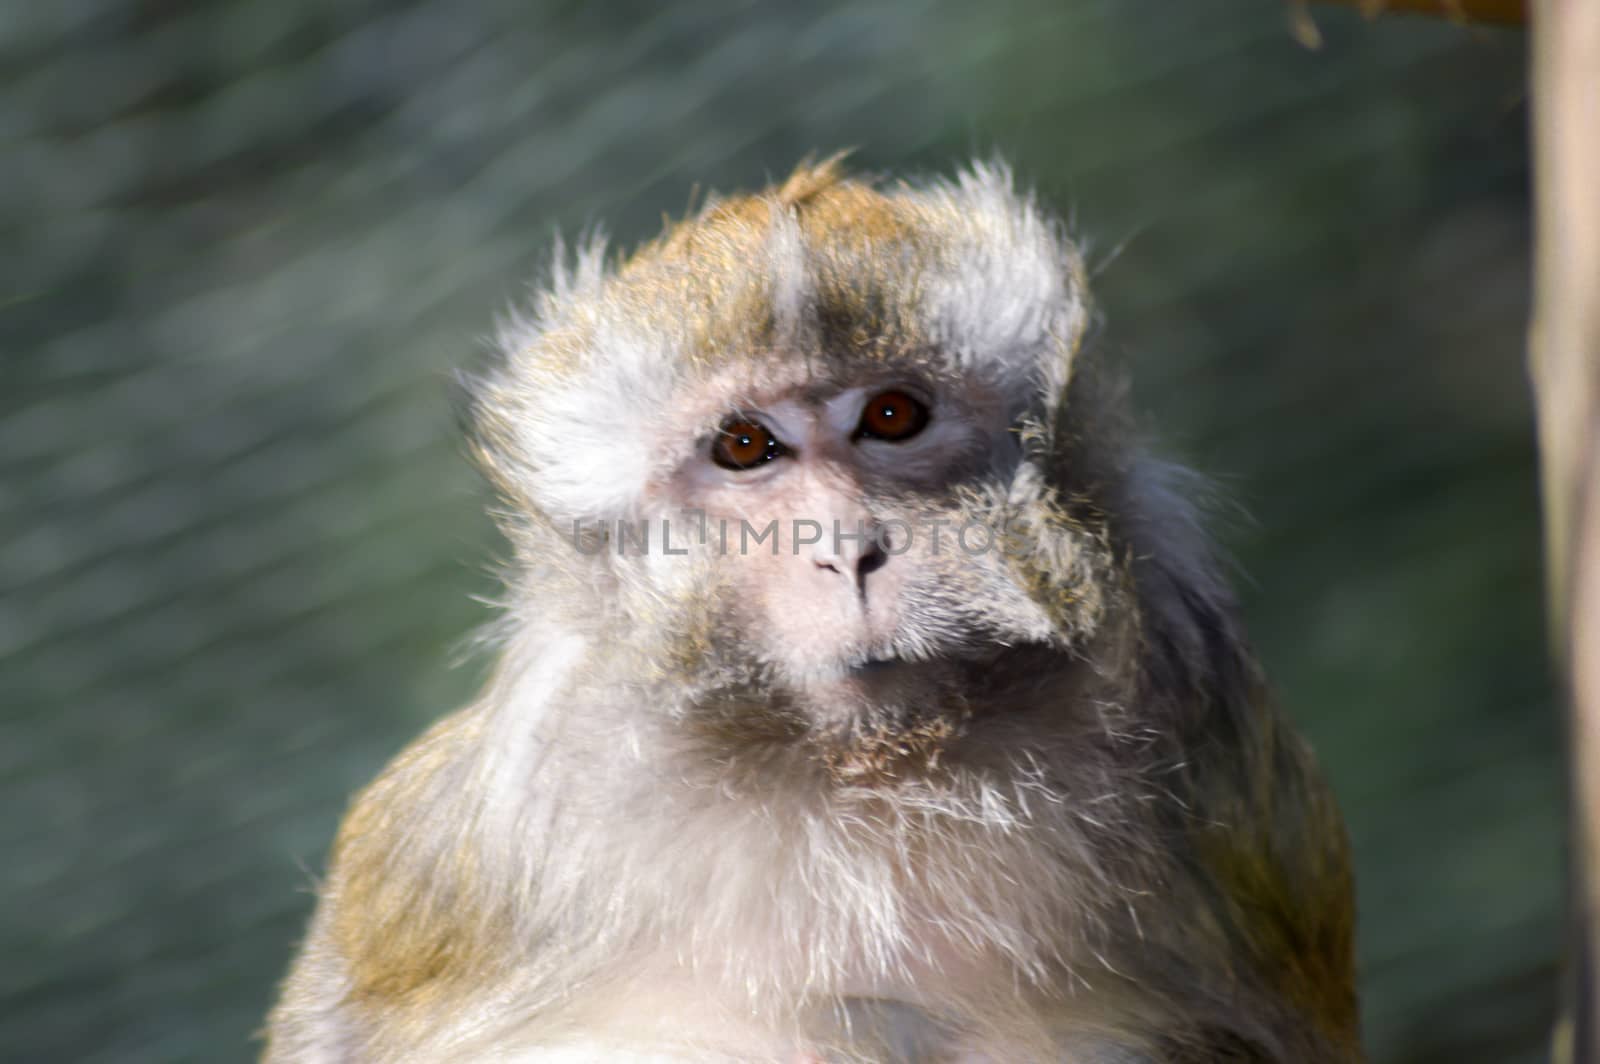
{"type": "Point", "coordinates": [886, 675]}
{"type": "Point", "coordinates": [880, 716]}
{"type": "Point", "coordinates": [880, 664]}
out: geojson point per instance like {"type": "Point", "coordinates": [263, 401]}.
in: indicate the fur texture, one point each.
{"type": "Point", "coordinates": [1070, 826]}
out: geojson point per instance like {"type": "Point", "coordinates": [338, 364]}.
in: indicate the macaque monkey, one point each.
{"type": "Point", "coordinates": [864, 692]}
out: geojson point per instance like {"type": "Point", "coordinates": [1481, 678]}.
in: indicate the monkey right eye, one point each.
{"type": "Point", "coordinates": [744, 444]}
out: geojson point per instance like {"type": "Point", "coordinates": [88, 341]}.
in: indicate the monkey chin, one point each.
{"type": "Point", "coordinates": [886, 719]}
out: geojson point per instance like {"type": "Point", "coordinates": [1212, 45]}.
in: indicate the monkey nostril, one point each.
{"type": "Point", "coordinates": [871, 559]}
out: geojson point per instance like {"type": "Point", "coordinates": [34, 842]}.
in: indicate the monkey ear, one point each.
{"type": "Point", "coordinates": [560, 420]}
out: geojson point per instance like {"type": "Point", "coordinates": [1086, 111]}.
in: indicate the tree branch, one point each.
{"type": "Point", "coordinates": [1505, 11]}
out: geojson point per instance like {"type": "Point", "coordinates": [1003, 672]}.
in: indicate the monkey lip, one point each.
{"type": "Point", "coordinates": [878, 664]}
{"type": "Point", "coordinates": [880, 676]}
{"type": "Point", "coordinates": [878, 669]}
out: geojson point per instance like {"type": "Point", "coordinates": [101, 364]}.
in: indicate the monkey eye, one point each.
{"type": "Point", "coordinates": [892, 416]}
{"type": "Point", "coordinates": [743, 444]}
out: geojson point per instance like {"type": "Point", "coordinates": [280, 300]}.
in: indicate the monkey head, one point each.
{"type": "Point", "coordinates": [805, 446]}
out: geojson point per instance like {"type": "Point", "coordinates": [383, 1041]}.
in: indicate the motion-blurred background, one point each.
{"type": "Point", "coordinates": [246, 241]}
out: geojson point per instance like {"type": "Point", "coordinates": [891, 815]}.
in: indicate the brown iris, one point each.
{"type": "Point", "coordinates": [742, 443]}
{"type": "Point", "coordinates": [892, 416]}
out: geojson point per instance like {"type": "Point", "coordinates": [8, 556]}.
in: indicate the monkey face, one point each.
{"type": "Point", "coordinates": [818, 495]}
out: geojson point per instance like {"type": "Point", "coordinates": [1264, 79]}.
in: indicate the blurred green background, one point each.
{"type": "Point", "coordinates": [245, 242]}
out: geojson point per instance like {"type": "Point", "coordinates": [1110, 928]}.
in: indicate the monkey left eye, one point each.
{"type": "Point", "coordinates": [892, 416]}
{"type": "Point", "coordinates": [743, 444]}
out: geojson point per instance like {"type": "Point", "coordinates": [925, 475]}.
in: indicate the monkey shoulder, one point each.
{"type": "Point", "coordinates": [402, 913]}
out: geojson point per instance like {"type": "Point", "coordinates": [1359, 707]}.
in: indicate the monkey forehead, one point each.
{"type": "Point", "coordinates": [965, 272]}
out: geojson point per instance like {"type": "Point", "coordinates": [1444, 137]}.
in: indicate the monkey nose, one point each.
{"type": "Point", "coordinates": [852, 555]}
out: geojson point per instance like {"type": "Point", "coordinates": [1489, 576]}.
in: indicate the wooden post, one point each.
{"type": "Point", "coordinates": [1564, 352]}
